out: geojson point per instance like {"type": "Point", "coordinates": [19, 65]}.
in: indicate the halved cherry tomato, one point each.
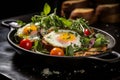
{"type": "Point", "coordinates": [86, 32]}
{"type": "Point", "coordinates": [26, 44]}
{"type": "Point", "coordinates": [57, 52]}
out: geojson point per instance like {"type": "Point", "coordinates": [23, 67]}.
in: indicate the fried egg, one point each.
{"type": "Point", "coordinates": [63, 38]}
{"type": "Point", "coordinates": [28, 31]}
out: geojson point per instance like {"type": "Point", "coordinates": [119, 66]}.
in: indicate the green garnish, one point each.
{"type": "Point", "coordinates": [69, 51]}
{"type": "Point", "coordinates": [38, 47]}
{"type": "Point", "coordinates": [100, 40]}
{"type": "Point", "coordinates": [46, 9]}
{"type": "Point", "coordinates": [21, 23]}
{"type": "Point", "coordinates": [47, 20]}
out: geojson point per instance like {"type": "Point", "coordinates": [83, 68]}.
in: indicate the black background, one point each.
{"type": "Point", "coordinates": [11, 8]}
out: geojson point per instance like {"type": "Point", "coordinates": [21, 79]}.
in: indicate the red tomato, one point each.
{"type": "Point", "coordinates": [26, 44]}
{"type": "Point", "coordinates": [86, 32]}
{"type": "Point", "coordinates": [57, 52]}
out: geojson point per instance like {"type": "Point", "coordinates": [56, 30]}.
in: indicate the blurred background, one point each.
{"type": "Point", "coordinates": [107, 11]}
{"type": "Point", "coordinates": [11, 8]}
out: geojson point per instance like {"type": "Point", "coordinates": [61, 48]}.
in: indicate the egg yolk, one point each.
{"type": "Point", "coordinates": [29, 29]}
{"type": "Point", "coordinates": [66, 37]}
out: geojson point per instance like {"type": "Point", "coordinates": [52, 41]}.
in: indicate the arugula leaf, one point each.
{"type": "Point", "coordinates": [66, 22]}
{"type": "Point", "coordinates": [99, 35]}
{"type": "Point", "coordinates": [46, 9]}
{"type": "Point", "coordinates": [85, 41]}
{"type": "Point", "coordinates": [37, 46]}
{"type": "Point", "coordinates": [69, 51]}
{"type": "Point", "coordinates": [98, 42]}
{"type": "Point", "coordinates": [21, 23]}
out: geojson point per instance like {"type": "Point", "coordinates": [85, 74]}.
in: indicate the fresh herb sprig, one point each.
{"type": "Point", "coordinates": [21, 23]}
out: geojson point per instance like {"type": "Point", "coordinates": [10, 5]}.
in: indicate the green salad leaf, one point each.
{"type": "Point", "coordinates": [100, 40]}
{"type": "Point", "coordinates": [46, 9]}
{"type": "Point", "coordinates": [69, 51]}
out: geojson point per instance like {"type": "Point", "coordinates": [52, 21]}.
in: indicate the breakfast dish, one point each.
{"type": "Point", "coordinates": [50, 34]}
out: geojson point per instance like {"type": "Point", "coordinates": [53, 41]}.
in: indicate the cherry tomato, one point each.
{"type": "Point", "coordinates": [57, 52]}
{"type": "Point", "coordinates": [26, 44]}
{"type": "Point", "coordinates": [86, 32]}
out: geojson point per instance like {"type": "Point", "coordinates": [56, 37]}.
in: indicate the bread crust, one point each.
{"type": "Point", "coordinates": [87, 13]}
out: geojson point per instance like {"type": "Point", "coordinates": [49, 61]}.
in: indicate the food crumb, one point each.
{"type": "Point", "coordinates": [56, 72]}
{"type": "Point", "coordinates": [46, 72]}
{"type": "Point", "coordinates": [79, 71]}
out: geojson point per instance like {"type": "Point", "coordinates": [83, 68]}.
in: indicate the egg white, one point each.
{"type": "Point", "coordinates": [20, 30]}
{"type": "Point", "coordinates": [31, 37]}
{"type": "Point", "coordinates": [51, 38]}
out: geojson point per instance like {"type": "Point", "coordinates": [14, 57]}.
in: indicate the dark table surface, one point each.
{"type": "Point", "coordinates": [16, 67]}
